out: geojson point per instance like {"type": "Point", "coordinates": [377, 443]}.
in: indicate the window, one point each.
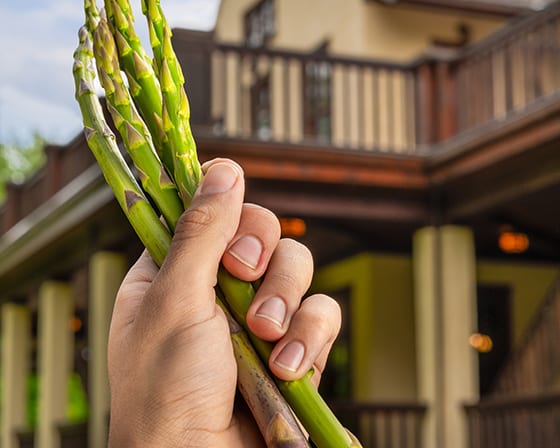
{"type": "Point", "coordinates": [317, 100]}
{"type": "Point", "coordinates": [259, 24]}
{"type": "Point", "coordinates": [260, 107]}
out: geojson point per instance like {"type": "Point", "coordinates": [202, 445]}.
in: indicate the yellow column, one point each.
{"type": "Point", "coordinates": [55, 346]}
{"type": "Point", "coordinates": [16, 343]}
{"type": "Point", "coordinates": [107, 271]}
{"type": "Point", "coordinates": [445, 301]}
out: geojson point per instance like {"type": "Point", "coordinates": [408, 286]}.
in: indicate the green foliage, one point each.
{"type": "Point", "coordinates": [18, 162]}
{"type": "Point", "coordinates": [76, 407]}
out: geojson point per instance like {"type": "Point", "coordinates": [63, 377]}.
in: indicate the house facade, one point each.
{"type": "Point", "coordinates": [412, 145]}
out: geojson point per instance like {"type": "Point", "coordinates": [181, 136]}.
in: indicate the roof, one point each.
{"type": "Point", "coordinates": [500, 7]}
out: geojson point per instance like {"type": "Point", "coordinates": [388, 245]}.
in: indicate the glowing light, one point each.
{"type": "Point", "coordinates": [75, 324]}
{"type": "Point", "coordinates": [293, 227]}
{"type": "Point", "coordinates": [513, 242]}
{"type": "Point", "coordinates": [481, 342]}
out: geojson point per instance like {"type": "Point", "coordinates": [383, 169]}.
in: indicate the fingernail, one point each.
{"type": "Point", "coordinates": [247, 250]}
{"type": "Point", "coordinates": [219, 178]}
{"type": "Point", "coordinates": [291, 356]}
{"type": "Point", "coordinates": [274, 310]}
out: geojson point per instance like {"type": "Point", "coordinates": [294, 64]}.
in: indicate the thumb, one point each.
{"type": "Point", "coordinates": [184, 285]}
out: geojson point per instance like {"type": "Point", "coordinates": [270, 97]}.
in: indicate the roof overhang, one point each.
{"type": "Point", "coordinates": [497, 8]}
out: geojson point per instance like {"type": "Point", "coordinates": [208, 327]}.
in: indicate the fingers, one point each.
{"type": "Point", "coordinates": [183, 288]}
{"type": "Point", "coordinates": [287, 279]}
{"type": "Point", "coordinates": [309, 338]}
{"type": "Point", "coordinates": [252, 246]}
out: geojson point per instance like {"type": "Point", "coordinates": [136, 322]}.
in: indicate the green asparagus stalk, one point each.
{"type": "Point", "coordinates": [144, 85]}
{"type": "Point", "coordinates": [101, 140]}
{"type": "Point", "coordinates": [315, 415]}
{"type": "Point", "coordinates": [174, 128]}
{"type": "Point", "coordinates": [275, 420]}
{"type": "Point", "coordinates": [272, 413]}
{"type": "Point", "coordinates": [173, 108]}
{"type": "Point", "coordinates": [133, 130]}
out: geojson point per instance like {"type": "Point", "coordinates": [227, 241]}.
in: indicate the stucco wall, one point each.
{"type": "Point", "coordinates": [382, 323]}
{"type": "Point", "coordinates": [355, 27]}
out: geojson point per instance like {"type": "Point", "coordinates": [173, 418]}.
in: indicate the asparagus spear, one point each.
{"type": "Point", "coordinates": [134, 132]}
{"type": "Point", "coordinates": [102, 142]}
{"type": "Point", "coordinates": [173, 108]}
{"type": "Point", "coordinates": [315, 415]}
{"type": "Point", "coordinates": [272, 414]}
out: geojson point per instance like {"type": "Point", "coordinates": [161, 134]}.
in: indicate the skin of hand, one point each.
{"type": "Point", "coordinates": [172, 372]}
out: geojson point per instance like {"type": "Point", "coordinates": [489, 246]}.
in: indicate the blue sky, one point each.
{"type": "Point", "coordinates": [37, 39]}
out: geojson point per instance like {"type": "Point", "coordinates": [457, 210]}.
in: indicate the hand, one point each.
{"type": "Point", "coordinates": [171, 366]}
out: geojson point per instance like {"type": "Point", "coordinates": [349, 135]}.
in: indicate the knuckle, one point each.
{"type": "Point", "coordinates": [283, 280]}
{"type": "Point", "coordinates": [194, 221]}
{"type": "Point", "coordinates": [325, 315]}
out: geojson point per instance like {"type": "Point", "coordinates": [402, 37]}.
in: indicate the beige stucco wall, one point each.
{"type": "Point", "coordinates": [382, 316]}
{"type": "Point", "coordinates": [355, 27]}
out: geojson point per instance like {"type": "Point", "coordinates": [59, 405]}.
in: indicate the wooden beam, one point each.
{"type": "Point", "coordinates": [480, 7]}
{"type": "Point", "coordinates": [330, 206]}
{"type": "Point", "coordinates": [281, 161]}
{"type": "Point", "coordinates": [490, 146]}
{"type": "Point", "coordinates": [504, 183]}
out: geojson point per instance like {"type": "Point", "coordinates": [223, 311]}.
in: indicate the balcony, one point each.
{"type": "Point", "coordinates": [316, 99]}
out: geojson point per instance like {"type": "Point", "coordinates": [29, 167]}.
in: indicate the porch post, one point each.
{"type": "Point", "coordinates": [428, 332]}
{"type": "Point", "coordinates": [16, 344]}
{"type": "Point", "coordinates": [445, 301]}
{"type": "Point", "coordinates": [106, 272]}
{"type": "Point", "coordinates": [55, 347]}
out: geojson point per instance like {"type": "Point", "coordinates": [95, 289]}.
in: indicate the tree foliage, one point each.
{"type": "Point", "coordinates": [18, 162]}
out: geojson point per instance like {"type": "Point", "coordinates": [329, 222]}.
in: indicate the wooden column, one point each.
{"type": "Point", "coordinates": [106, 273]}
{"type": "Point", "coordinates": [445, 301]}
{"type": "Point", "coordinates": [55, 347]}
{"type": "Point", "coordinates": [16, 344]}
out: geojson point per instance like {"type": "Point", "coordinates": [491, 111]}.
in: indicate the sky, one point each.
{"type": "Point", "coordinates": [37, 40]}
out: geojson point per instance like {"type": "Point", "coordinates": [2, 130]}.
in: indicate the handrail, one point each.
{"type": "Point", "coordinates": [527, 21]}
{"type": "Point", "coordinates": [514, 422]}
{"type": "Point", "coordinates": [511, 402]}
{"type": "Point", "coordinates": [315, 56]}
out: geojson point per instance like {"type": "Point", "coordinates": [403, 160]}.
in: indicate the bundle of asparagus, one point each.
{"type": "Point", "coordinates": [151, 113]}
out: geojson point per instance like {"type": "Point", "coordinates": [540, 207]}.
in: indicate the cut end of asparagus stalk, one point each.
{"type": "Point", "coordinates": [281, 434]}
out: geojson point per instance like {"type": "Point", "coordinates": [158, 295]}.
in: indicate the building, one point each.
{"type": "Point", "coordinates": [412, 145]}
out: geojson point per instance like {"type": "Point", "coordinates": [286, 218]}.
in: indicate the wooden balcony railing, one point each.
{"type": "Point", "coordinates": [300, 98]}
{"type": "Point", "coordinates": [510, 72]}
{"type": "Point", "coordinates": [522, 422]}
{"type": "Point", "coordinates": [316, 98]}
{"type": "Point", "coordinates": [383, 425]}
{"type": "Point", "coordinates": [535, 366]}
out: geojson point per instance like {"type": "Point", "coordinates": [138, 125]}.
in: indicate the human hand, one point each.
{"type": "Point", "coordinates": [171, 366]}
